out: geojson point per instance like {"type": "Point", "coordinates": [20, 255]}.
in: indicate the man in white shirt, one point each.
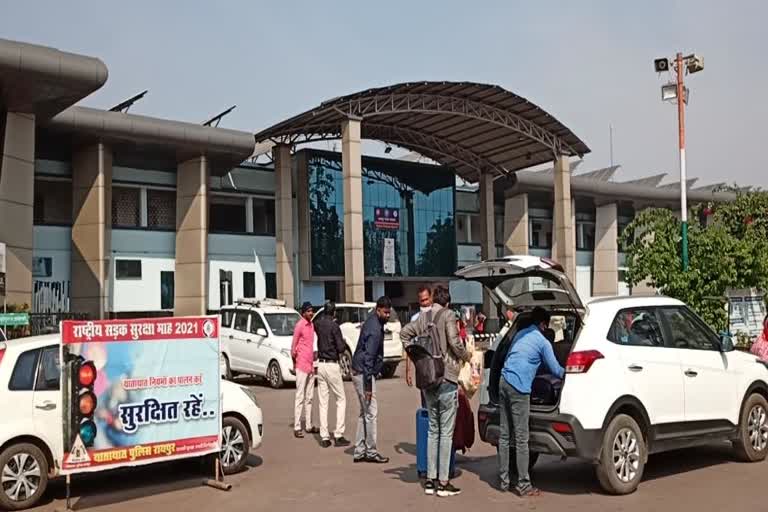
{"type": "Point", "coordinates": [425, 304]}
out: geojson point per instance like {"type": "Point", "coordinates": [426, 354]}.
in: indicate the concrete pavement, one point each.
{"type": "Point", "coordinates": [288, 474]}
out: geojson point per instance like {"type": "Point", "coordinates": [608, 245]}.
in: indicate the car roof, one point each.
{"type": "Point", "coordinates": [32, 342]}
{"type": "Point", "coordinates": [263, 309]}
{"type": "Point", "coordinates": [616, 303]}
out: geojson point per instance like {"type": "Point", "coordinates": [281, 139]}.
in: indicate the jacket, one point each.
{"type": "Point", "coordinates": [368, 359]}
{"type": "Point", "coordinates": [330, 343]}
{"type": "Point", "coordinates": [453, 349]}
{"type": "Point", "coordinates": [464, 431]}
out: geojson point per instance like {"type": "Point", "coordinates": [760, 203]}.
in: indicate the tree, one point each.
{"type": "Point", "coordinates": [729, 249]}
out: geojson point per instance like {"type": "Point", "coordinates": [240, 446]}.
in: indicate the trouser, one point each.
{"type": "Point", "coordinates": [515, 410]}
{"type": "Point", "coordinates": [305, 388]}
{"type": "Point", "coordinates": [442, 405]}
{"type": "Point", "coordinates": [329, 381]}
{"type": "Point", "coordinates": [365, 440]}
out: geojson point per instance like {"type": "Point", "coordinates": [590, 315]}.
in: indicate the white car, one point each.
{"type": "Point", "coordinates": [256, 338]}
{"type": "Point", "coordinates": [30, 429]}
{"type": "Point", "coordinates": [643, 375]}
{"type": "Point", "coordinates": [351, 317]}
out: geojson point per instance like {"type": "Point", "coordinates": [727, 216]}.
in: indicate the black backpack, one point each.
{"type": "Point", "coordinates": [427, 356]}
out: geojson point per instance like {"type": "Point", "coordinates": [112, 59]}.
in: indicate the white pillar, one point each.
{"type": "Point", "coordinates": [351, 159]}
{"type": "Point", "coordinates": [284, 219]}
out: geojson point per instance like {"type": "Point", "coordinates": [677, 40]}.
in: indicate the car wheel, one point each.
{"type": "Point", "coordinates": [389, 370]}
{"type": "Point", "coordinates": [752, 443]}
{"type": "Point", "coordinates": [346, 365]}
{"type": "Point", "coordinates": [622, 457]}
{"type": "Point", "coordinates": [24, 471]}
{"type": "Point", "coordinates": [274, 375]}
{"type": "Point", "coordinates": [234, 446]}
{"type": "Point", "coordinates": [228, 371]}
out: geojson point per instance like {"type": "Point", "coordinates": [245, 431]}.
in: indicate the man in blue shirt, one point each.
{"type": "Point", "coordinates": [529, 349]}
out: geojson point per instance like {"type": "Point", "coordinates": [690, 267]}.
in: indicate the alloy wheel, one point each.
{"type": "Point", "coordinates": [757, 428]}
{"type": "Point", "coordinates": [346, 365]}
{"type": "Point", "coordinates": [273, 375]}
{"type": "Point", "coordinates": [626, 455]}
{"type": "Point", "coordinates": [232, 446]}
{"type": "Point", "coordinates": [20, 478]}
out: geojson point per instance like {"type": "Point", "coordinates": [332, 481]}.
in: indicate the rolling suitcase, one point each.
{"type": "Point", "coordinates": [422, 431]}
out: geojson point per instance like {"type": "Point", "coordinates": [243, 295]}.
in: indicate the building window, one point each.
{"type": "Point", "coordinates": [227, 214]}
{"type": "Point", "coordinates": [125, 207]}
{"type": "Point", "coordinates": [249, 284]}
{"type": "Point", "coordinates": [499, 228]}
{"type": "Point", "coordinates": [161, 209]}
{"type": "Point", "coordinates": [53, 202]}
{"type": "Point", "coordinates": [585, 232]}
{"type": "Point", "coordinates": [225, 287]}
{"type": "Point", "coordinates": [128, 269]}
{"type": "Point", "coordinates": [474, 228]}
{"type": "Point", "coordinates": [42, 266]}
{"type": "Point", "coordinates": [623, 223]}
{"type": "Point", "coordinates": [167, 289]}
{"type": "Point", "coordinates": [540, 233]}
{"type": "Point", "coordinates": [263, 216]}
{"type": "Point", "coordinates": [270, 282]}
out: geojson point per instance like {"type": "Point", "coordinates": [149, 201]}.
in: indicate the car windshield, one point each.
{"type": "Point", "coordinates": [282, 324]}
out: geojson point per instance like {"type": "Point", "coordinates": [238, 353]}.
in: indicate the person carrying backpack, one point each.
{"type": "Point", "coordinates": [434, 337]}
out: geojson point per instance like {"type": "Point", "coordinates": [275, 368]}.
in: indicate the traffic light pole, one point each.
{"type": "Point", "coordinates": [681, 143]}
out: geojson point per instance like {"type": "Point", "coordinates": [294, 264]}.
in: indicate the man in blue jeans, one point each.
{"type": "Point", "coordinates": [529, 349]}
{"type": "Point", "coordinates": [442, 401]}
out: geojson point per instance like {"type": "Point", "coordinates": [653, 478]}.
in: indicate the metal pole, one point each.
{"type": "Point", "coordinates": [681, 142]}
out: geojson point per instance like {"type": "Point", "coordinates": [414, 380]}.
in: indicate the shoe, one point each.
{"type": "Point", "coordinates": [360, 459]}
{"type": "Point", "coordinates": [312, 430]}
{"type": "Point", "coordinates": [429, 488]}
{"type": "Point", "coordinates": [447, 490]}
{"type": "Point", "coordinates": [527, 492]}
{"type": "Point", "coordinates": [377, 459]}
{"type": "Point", "coordinates": [340, 442]}
{"type": "Point", "coordinates": [325, 443]}
{"type": "Point", "coordinates": [298, 434]}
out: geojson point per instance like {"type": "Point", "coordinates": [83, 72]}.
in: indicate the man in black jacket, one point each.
{"type": "Point", "coordinates": [330, 347]}
{"type": "Point", "coordinates": [367, 364]}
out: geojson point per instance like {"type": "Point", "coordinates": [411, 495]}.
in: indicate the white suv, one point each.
{"type": "Point", "coordinates": [30, 429]}
{"type": "Point", "coordinates": [256, 338]}
{"type": "Point", "coordinates": [643, 375]}
{"type": "Point", "coordinates": [351, 318]}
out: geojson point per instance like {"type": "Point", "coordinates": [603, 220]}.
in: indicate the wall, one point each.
{"type": "Point", "coordinates": [51, 293]}
{"type": "Point", "coordinates": [156, 250]}
{"type": "Point", "coordinates": [238, 254]}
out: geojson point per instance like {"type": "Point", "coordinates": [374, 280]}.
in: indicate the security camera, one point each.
{"type": "Point", "coordinates": [661, 65]}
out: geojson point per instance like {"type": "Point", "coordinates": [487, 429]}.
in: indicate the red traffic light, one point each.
{"type": "Point", "coordinates": [87, 403]}
{"type": "Point", "coordinates": [86, 374]}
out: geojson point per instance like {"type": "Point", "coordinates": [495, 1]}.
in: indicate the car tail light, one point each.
{"type": "Point", "coordinates": [581, 362]}
{"type": "Point", "coordinates": [561, 428]}
{"type": "Point", "coordinates": [2, 351]}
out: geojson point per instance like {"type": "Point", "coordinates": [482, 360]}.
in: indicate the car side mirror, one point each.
{"type": "Point", "coordinates": [726, 343]}
{"type": "Point", "coordinates": [261, 332]}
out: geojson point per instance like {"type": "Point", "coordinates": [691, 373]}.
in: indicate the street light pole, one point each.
{"type": "Point", "coordinates": [681, 143]}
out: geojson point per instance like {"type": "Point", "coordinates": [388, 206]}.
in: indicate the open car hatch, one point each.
{"type": "Point", "coordinates": [525, 282]}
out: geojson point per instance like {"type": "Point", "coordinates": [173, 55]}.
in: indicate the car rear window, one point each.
{"type": "Point", "coordinates": [23, 377]}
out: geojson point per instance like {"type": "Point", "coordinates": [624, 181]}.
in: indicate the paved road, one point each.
{"type": "Point", "coordinates": [289, 475]}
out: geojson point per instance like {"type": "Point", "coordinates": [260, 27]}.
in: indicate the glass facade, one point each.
{"type": "Point", "coordinates": [410, 204]}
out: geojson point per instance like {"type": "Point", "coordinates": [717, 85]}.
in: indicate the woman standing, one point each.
{"type": "Point", "coordinates": [760, 346]}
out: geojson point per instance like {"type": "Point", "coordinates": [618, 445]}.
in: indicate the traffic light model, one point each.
{"type": "Point", "coordinates": [84, 401]}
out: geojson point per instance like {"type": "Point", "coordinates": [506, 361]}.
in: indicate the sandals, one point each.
{"type": "Point", "coordinates": [298, 434]}
{"type": "Point", "coordinates": [313, 430]}
{"type": "Point", "coordinates": [528, 492]}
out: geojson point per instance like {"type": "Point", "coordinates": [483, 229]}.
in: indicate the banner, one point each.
{"type": "Point", "coordinates": [389, 256]}
{"type": "Point", "coordinates": [139, 391]}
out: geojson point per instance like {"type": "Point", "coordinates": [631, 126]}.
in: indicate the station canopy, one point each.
{"type": "Point", "coordinates": [469, 127]}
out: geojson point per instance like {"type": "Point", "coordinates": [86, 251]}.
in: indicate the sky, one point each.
{"type": "Point", "coordinates": [589, 63]}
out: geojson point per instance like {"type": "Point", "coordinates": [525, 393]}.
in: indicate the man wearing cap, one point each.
{"type": "Point", "coordinates": [302, 352]}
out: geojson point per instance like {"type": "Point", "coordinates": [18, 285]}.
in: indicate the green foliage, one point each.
{"type": "Point", "coordinates": [730, 252]}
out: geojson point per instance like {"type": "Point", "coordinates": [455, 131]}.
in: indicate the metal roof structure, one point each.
{"type": "Point", "coordinates": [469, 127]}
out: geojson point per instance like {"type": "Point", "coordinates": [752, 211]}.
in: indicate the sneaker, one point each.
{"type": "Point", "coordinates": [360, 459]}
{"type": "Point", "coordinates": [429, 488]}
{"type": "Point", "coordinates": [341, 442]}
{"type": "Point", "coordinates": [325, 443]}
{"type": "Point", "coordinates": [377, 459]}
{"type": "Point", "coordinates": [527, 492]}
{"type": "Point", "coordinates": [445, 490]}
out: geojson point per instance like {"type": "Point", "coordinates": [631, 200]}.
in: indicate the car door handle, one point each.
{"type": "Point", "coordinates": [249, 340]}
{"type": "Point", "coordinates": [690, 373]}
{"type": "Point", "coordinates": [635, 368]}
{"type": "Point", "coordinates": [231, 337]}
{"type": "Point", "coordinates": [46, 406]}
